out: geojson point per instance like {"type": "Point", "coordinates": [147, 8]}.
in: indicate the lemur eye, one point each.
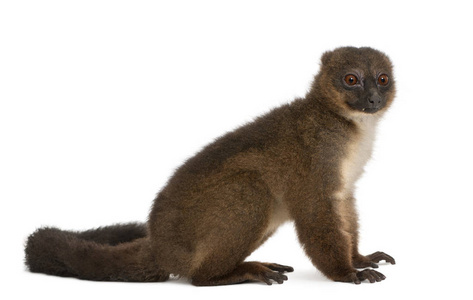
{"type": "Point", "coordinates": [351, 79]}
{"type": "Point", "coordinates": [383, 79]}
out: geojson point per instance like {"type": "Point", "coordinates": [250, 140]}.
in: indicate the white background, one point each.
{"type": "Point", "coordinates": [102, 100]}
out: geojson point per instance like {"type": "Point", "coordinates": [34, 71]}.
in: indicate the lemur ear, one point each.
{"type": "Point", "coordinates": [326, 57]}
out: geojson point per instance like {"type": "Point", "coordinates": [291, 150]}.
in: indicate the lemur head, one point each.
{"type": "Point", "coordinates": [356, 81]}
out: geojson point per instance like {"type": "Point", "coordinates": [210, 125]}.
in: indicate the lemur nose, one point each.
{"type": "Point", "coordinates": [374, 99]}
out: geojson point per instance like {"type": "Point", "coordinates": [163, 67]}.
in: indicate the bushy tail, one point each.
{"type": "Point", "coordinates": [112, 253]}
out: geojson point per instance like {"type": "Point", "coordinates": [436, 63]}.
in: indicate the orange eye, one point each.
{"type": "Point", "coordinates": [383, 79]}
{"type": "Point", "coordinates": [351, 79]}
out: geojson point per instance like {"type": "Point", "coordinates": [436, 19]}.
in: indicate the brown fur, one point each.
{"type": "Point", "coordinates": [298, 162]}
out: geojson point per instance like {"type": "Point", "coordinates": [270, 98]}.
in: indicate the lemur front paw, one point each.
{"type": "Point", "coordinates": [370, 261]}
{"type": "Point", "coordinates": [368, 274]}
{"type": "Point", "coordinates": [371, 275]}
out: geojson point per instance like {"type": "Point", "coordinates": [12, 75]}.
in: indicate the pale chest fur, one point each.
{"type": "Point", "coordinates": [358, 153]}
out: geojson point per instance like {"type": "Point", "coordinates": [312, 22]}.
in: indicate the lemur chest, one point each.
{"type": "Point", "coordinates": [358, 152]}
